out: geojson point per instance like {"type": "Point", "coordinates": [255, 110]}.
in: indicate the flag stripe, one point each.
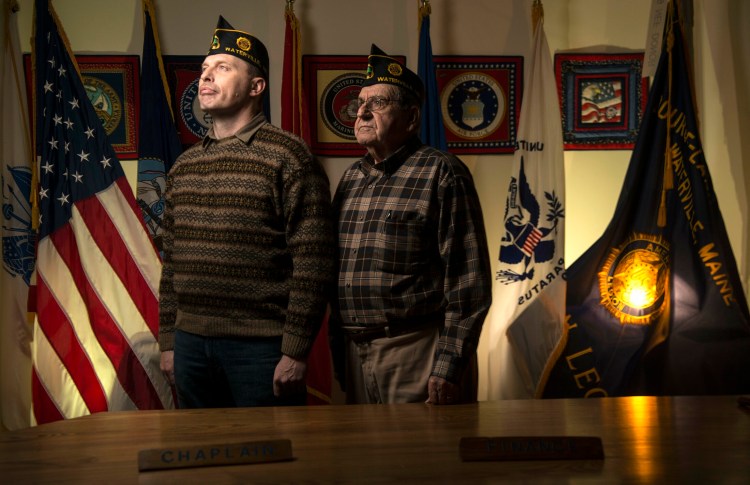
{"type": "Point", "coordinates": [116, 240]}
{"type": "Point", "coordinates": [57, 349]}
{"type": "Point", "coordinates": [117, 317]}
{"type": "Point", "coordinates": [90, 354]}
{"type": "Point", "coordinates": [45, 409]}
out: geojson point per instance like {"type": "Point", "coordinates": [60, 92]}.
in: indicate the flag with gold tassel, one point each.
{"type": "Point", "coordinates": [656, 305]}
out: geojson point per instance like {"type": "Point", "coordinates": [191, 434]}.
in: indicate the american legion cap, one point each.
{"type": "Point", "coordinates": [381, 68]}
{"type": "Point", "coordinates": [228, 40]}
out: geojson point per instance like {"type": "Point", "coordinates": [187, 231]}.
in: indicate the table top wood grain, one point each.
{"type": "Point", "coordinates": [645, 439]}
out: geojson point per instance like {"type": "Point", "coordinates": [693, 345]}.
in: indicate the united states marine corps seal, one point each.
{"type": "Point", "coordinates": [633, 281]}
{"type": "Point", "coordinates": [338, 104]}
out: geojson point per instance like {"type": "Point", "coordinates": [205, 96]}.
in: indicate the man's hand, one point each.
{"type": "Point", "coordinates": [289, 377]}
{"type": "Point", "coordinates": [167, 365]}
{"type": "Point", "coordinates": [440, 391]}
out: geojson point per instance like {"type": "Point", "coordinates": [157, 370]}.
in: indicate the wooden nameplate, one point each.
{"type": "Point", "coordinates": [215, 454]}
{"type": "Point", "coordinates": [512, 448]}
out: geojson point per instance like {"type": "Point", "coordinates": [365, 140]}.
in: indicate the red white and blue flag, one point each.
{"type": "Point", "coordinates": [98, 271]}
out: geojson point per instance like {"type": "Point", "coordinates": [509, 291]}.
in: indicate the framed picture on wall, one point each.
{"type": "Point", "coordinates": [183, 74]}
{"type": "Point", "coordinates": [602, 99]}
{"type": "Point", "coordinates": [113, 87]}
{"type": "Point", "coordinates": [332, 84]}
{"type": "Point", "coordinates": [480, 99]}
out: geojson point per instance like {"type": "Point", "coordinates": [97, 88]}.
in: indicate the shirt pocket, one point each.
{"type": "Point", "coordinates": [402, 246]}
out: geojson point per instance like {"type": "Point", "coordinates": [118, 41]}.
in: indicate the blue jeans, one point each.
{"type": "Point", "coordinates": [213, 372]}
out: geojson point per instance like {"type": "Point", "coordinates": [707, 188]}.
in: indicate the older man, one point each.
{"type": "Point", "coordinates": [414, 281]}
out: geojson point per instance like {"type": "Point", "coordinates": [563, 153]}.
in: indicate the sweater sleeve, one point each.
{"type": "Point", "coordinates": [167, 296]}
{"type": "Point", "coordinates": [310, 241]}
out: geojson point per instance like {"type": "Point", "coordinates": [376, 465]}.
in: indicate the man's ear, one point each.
{"type": "Point", "coordinates": [258, 86]}
{"type": "Point", "coordinates": [414, 118]}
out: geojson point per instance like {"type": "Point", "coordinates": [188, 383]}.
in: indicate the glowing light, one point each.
{"type": "Point", "coordinates": [639, 296]}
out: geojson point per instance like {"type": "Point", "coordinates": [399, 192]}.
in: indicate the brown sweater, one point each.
{"type": "Point", "coordinates": [248, 240]}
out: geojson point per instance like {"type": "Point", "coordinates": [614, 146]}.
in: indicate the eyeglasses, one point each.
{"type": "Point", "coordinates": [375, 103]}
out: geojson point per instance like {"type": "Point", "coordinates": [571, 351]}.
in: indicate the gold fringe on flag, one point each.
{"type": "Point", "coordinates": [667, 179]}
{"type": "Point", "coordinates": [424, 9]}
{"type": "Point", "coordinates": [298, 121]}
{"type": "Point", "coordinates": [537, 12]}
{"type": "Point", "coordinates": [148, 7]}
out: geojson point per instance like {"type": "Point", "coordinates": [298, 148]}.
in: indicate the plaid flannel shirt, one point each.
{"type": "Point", "coordinates": [412, 244]}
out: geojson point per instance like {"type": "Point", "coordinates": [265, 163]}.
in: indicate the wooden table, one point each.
{"type": "Point", "coordinates": [646, 440]}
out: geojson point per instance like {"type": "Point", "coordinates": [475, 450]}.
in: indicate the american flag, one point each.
{"type": "Point", "coordinates": [601, 102]}
{"type": "Point", "coordinates": [97, 270]}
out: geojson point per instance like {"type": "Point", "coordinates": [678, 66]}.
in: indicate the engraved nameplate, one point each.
{"type": "Point", "coordinates": [508, 448]}
{"type": "Point", "coordinates": [215, 454]}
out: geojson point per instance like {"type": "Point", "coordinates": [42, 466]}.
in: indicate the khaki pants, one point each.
{"type": "Point", "coordinates": [397, 369]}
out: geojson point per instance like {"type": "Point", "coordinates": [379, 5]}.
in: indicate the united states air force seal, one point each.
{"type": "Point", "coordinates": [338, 104]}
{"type": "Point", "coordinates": [473, 105]}
{"type": "Point", "coordinates": [634, 279]}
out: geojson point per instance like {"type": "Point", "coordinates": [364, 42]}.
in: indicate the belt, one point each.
{"type": "Point", "coordinates": [366, 334]}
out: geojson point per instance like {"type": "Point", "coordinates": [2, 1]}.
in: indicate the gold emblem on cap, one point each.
{"type": "Point", "coordinates": [395, 69]}
{"type": "Point", "coordinates": [370, 72]}
{"type": "Point", "coordinates": [215, 44]}
{"type": "Point", "coordinates": [244, 43]}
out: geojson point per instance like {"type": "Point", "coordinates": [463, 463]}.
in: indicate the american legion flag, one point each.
{"type": "Point", "coordinates": [98, 272]}
{"type": "Point", "coordinates": [656, 306]}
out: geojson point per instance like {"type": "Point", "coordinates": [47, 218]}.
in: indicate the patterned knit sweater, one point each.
{"type": "Point", "coordinates": [248, 241]}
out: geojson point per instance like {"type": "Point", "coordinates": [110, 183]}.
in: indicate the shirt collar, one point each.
{"type": "Point", "coordinates": [245, 133]}
{"type": "Point", "coordinates": [392, 163]}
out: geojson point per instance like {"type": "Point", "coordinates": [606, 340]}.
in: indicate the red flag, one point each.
{"type": "Point", "coordinates": [95, 345]}
{"type": "Point", "coordinates": [293, 102]}
{"type": "Point", "coordinates": [294, 119]}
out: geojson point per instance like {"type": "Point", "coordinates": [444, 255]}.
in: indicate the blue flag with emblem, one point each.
{"type": "Point", "coordinates": [656, 306]}
{"type": "Point", "coordinates": [158, 144]}
{"type": "Point", "coordinates": [433, 131]}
